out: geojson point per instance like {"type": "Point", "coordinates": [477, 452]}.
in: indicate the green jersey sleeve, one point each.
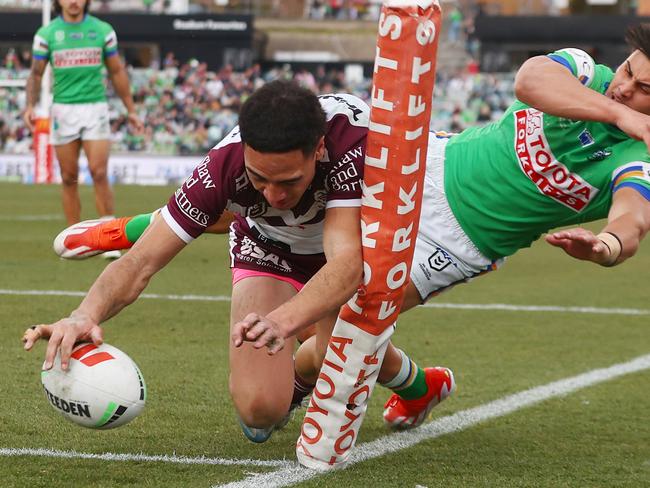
{"type": "Point", "coordinates": [41, 46]}
{"type": "Point", "coordinates": [584, 68]}
{"type": "Point", "coordinates": [635, 175]}
{"type": "Point", "coordinates": [110, 42]}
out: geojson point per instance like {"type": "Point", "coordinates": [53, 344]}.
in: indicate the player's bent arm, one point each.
{"type": "Point", "coordinates": [335, 282]}
{"type": "Point", "coordinates": [551, 88]}
{"type": "Point", "coordinates": [120, 80]}
{"type": "Point", "coordinates": [628, 221]}
{"type": "Point", "coordinates": [119, 285]}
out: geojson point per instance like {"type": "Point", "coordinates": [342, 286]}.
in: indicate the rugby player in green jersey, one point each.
{"type": "Point", "coordinates": [573, 148]}
{"type": "Point", "coordinates": [78, 46]}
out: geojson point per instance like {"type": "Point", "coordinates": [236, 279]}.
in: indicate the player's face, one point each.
{"type": "Point", "coordinates": [72, 8]}
{"type": "Point", "coordinates": [631, 83]}
{"type": "Point", "coordinates": [282, 178]}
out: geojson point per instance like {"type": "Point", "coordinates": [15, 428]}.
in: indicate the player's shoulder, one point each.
{"type": "Point", "coordinates": [98, 23]}
{"type": "Point", "coordinates": [48, 30]}
{"type": "Point", "coordinates": [356, 111]}
{"type": "Point", "coordinates": [228, 155]}
{"type": "Point", "coordinates": [584, 67]}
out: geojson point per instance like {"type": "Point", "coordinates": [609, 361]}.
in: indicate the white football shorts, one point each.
{"type": "Point", "coordinates": [85, 121]}
{"type": "Point", "coordinates": [444, 255]}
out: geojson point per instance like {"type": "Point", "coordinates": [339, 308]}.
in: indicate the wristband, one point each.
{"type": "Point", "coordinates": [614, 245]}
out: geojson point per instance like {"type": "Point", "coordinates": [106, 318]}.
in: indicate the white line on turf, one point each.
{"type": "Point", "coordinates": [110, 456]}
{"type": "Point", "coordinates": [462, 420]}
{"type": "Point", "coordinates": [459, 306]}
{"type": "Point", "coordinates": [30, 218]}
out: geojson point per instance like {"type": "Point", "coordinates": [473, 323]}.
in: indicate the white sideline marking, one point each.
{"type": "Point", "coordinates": [30, 218]}
{"type": "Point", "coordinates": [109, 456]}
{"type": "Point", "coordinates": [460, 306]}
{"type": "Point", "coordinates": [453, 423]}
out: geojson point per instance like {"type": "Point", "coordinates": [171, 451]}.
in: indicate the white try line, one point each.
{"type": "Point", "coordinates": [457, 306]}
{"type": "Point", "coordinates": [109, 456]}
{"type": "Point", "coordinates": [453, 423]}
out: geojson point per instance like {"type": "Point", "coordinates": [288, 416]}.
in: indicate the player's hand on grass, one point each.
{"type": "Point", "coordinates": [581, 244]}
{"type": "Point", "coordinates": [28, 118]}
{"type": "Point", "coordinates": [259, 330]}
{"type": "Point", "coordinates": [63, 335]}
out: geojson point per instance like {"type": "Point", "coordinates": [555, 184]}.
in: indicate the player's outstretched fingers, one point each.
{"type": "Point", "coordinates": [52, 347]}
{"type": "Point", "coordinates": [65, 349]}
{"type": "Point", "coordinates": [33, 334]}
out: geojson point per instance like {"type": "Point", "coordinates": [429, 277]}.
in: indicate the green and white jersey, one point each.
{"type": "Point", "coordinates": [513, 180]}
{"type": "Point", "coordinates": [77, 52]}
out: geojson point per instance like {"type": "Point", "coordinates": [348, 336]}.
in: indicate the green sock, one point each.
{"type": "Point", "coordinates": [409, 382]}
{"type": "Point", "coordinates": [417, 388]}
{"type": "Point", "coordinates": [135, 227]}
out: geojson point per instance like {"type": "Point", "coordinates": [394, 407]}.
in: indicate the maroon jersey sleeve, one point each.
{"type": "Point", "coordinates": [204, 194]}
{"type": "Point", "coordinates": [346, 147]}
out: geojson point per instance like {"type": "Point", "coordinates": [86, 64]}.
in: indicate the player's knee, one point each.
{"type": "Point", "coordinates": [260, 412]}
{"type": "Point", "coordinates": [69, 179]}
{"type": "Point", "coordinates": [99, 175]}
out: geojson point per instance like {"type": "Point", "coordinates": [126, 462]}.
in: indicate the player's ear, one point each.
{"type": "Point", "coordinates": [320, 148]}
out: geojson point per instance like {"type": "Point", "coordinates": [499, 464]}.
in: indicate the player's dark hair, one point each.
{"type": "Point", "coordinates": [638, 37]}
{"type": "Point", "coordinates": [56, 7]}
{"type": "Point", "coordinates": [282, 116]}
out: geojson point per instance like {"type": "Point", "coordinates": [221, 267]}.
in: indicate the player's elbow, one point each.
{"type": "Point", "coordinates": [527, 79]}
{"type": "Point", "coordinates": [354, 270]}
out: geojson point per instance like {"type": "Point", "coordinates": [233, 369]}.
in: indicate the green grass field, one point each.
{"type": "Point", "coordinates": [596, 436]}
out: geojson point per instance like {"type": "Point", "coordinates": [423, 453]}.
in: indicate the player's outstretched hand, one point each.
{"type": "Point", "coordinates": [63, 335]}
{"type": "Point", "coordinates": [581, 244]}
{"type": "Point", "coordinates": [259, 330]}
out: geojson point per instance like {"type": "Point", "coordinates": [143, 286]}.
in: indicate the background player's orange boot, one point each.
{"type": "Point", "coordinates": [92, 237]}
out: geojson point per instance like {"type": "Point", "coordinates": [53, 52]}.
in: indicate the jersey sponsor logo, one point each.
{"type": "Point", "coordinates": [600, 154]}
{"type": "Point", "coordinates": [202, 174]}
{"type": "Point", "coordinates": [195, 214]}
{"type": "Point", "coordinates": [345, 175]}
{"type": "Point", "coordinates": [249, 251]}
{"type": "Point", "coordinates": [80, 57]}
{"type": "Point", "coordinates": [538, 163]}
{"type": "Point", "coordinates": [77, 36]}
{"type": "Point", "coordinates": [585, 138]}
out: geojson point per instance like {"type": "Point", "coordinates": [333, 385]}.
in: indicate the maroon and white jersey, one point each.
{"type": "Point", "coordinates": [220, 182]}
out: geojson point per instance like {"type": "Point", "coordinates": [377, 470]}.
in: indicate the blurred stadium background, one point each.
{"type": "Point", "coordinates": [192, 63]}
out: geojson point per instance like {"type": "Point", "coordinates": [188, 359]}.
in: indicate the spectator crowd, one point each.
{"type": "Point", "coordinates": [187, 109]}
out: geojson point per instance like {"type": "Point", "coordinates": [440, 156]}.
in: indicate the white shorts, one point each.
{"type": "Point", "coordinates": [444, 254]}
{"type": "Point", "coordinates": [85, 121]}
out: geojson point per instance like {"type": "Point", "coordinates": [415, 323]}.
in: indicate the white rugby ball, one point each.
{"type": "Point", "coordinates": [102, 389]}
